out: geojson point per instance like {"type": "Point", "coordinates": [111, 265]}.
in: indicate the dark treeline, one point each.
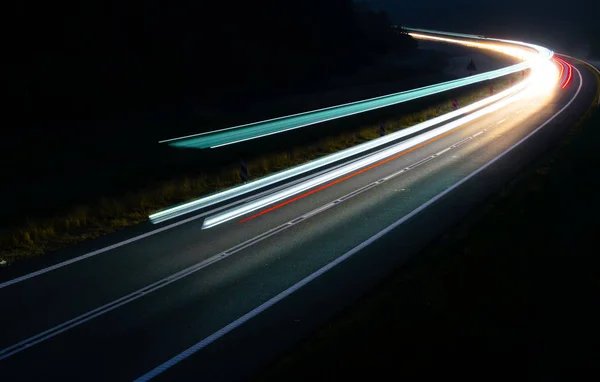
{"type": "Point", "coordinates": [570, 27]}
{"type": "Point", "coordinates": [102, 58]}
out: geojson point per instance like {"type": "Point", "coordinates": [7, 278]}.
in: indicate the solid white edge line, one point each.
{"type": "Point", "coordinates": [266, 305]}
{"type": "Point", "coordinates": [87, 316]}
{"type": "Point", "coordinates": [91, 254]}
{"type": "Point", "coordinates": [159, 230]}
{"type": "Point", "coordinates": [94, 253]}
{"type": "Point", "coordinates": [187, 220]}
{"type": "Point", "coordinates": [101, 250]}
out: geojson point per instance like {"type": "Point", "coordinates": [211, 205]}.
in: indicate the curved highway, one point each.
{"type": "Point", "coordinates": [181, 300]}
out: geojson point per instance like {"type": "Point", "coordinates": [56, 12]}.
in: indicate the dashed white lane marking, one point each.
{"type": "Point", "coordinates": [52, 332]}
{"type": "Point", "coordinates": [266, 305]}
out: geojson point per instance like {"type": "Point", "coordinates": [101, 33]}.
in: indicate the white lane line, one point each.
{"type": "Point", "coordinates": [497, 98]}
{"type": "Point", "coordinates": [191, 206]}
{"type": "Point", "coordinates": [402, 133]}
{"type": "Point", "coordinates": [443, 151]}
{"type": "Point", "coordinates": [396, 149]}
{"type": "Point", "coordinates": [168, 227]}
{"type": "Point", "coordinates": [236, 212]}
{"type": "Point", "coordinates": [93, 253]}
{"type": "Point", "coordinates": [519, 111]}
{"type": "Point", "coordinates": [266, 305]}
{"type": "Point", "coordinates": [54, 331]}
{"type": "Point", "coordinates": [83, 318]}
{"type": "Point", "coordinates": [501, 121]}
{"type": "Point", "coordinates": [388, 177]}
{"type": "Point", "coordinates": [147, 234]}
{"type": "Point", "coordinates": [318, 211]}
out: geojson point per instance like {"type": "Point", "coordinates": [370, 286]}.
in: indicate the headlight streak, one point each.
{"type": "Point", "coordinates": [311, 166]}
{"type": "Point", "coordinates": [532, 54]}
{"type": "Point", "coordinates": [519, 53]}
{"type": "Point", "coordinates": [537, 65]}
{"type": "Point", "coordinates": [371, 160]}
{"type": "Point", "coordinates": [542, 53]}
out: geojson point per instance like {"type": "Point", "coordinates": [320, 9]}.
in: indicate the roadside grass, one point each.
{"type": "Point", "coordinates": [511, 290]}
{"type": "Point", "coordinates": [37, 236]}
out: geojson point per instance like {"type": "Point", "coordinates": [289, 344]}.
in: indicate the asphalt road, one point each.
{"type": "Point", "coordinates": [132, 336]}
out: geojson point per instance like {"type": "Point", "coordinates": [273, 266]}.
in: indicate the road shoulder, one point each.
{"type": "Point", "coordinates": [511, 289]}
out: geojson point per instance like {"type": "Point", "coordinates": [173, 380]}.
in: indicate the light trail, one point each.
{"type": "Point", "coordinates": [542, 52]}
{"type": "Point", "coordinates": [591, 66]}
{"type": "Point", "coordinates": [531, 54]}
{"type": "Point", "coordinates": [260, 309]}
{"type": "Point", "coordinates": [352, 175]}
{"type": "Point", "coordinates": [360, 166]}
{"type": "Point", "coordinates": [569, 72]}
{"type": "Point", "coordinates": [518, 53]}
{"type": "Point", "coordinates": [314, 165]}
{"type": "Point", "coordinates": [535, 62]}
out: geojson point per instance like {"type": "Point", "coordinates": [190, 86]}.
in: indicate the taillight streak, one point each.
{"type": "Point", "coordinates": [569, 72]}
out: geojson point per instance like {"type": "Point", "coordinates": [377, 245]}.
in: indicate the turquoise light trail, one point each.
{"type": "Point", "coordinates": [255, 130]}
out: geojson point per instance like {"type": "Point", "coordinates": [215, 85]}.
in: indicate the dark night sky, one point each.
{"type": "Point", "coordinates": [570, 26]}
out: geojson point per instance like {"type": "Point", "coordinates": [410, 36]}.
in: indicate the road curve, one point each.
{"type": "Point", "coordinates": [219, 303]}
{"type": "Point", "coordinates": [530, 54]}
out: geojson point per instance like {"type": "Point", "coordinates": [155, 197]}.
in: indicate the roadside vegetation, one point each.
{"type": "Point", "coordinates": [81, 222]}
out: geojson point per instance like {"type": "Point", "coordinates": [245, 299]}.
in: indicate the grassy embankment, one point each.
{"type": "Point", "coordinates": [81, 222]}
{"type": "Point", "coordinates": [512, 290]}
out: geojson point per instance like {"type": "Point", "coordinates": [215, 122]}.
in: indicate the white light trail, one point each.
{"type": "Point", "coordinates": [542, 72]}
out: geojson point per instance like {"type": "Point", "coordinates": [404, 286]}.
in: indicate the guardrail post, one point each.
{"type": "Point", "coordinates": [244, 171]}
{"type": "Point", "coordinates": [381, 130]}
{"type": "Point", "coordinates": [455, 104]}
